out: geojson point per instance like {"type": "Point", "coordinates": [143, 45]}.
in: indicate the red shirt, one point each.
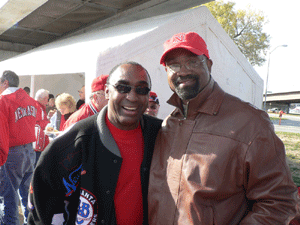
{"type": "Point", "coordinates": [128, 194]}
{"type": "Point", "coordinates": [85, 110]}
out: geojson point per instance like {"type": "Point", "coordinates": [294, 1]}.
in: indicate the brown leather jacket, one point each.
{"type": "Point", "coordinates": [223, 164]}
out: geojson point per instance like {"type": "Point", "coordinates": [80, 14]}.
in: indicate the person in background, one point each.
{"type": "Point", "coordinates": [217, 159]}
{"type": "Point", "coordinates": [81, 100]}
{"type": "Point", "coordinates": [51, 108]}
{"type": "Point", "coordinates": [66, 105]}
{"type": "Point", "coordinates": [42, 140]}
{"type": "Point", "coordinates": [97, 172]}
{"type": "Point", "coordinates": [51, 105]}
{"type": "Point", "coordinates": [98, 101]}
{"type": "Point", "coordinates": [27, 90]}
{"type": "Point", "coordinates": [153, 106]}
{"type": "Point", "coordinates": [18, 118]}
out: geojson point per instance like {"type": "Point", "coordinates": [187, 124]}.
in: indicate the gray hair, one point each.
{"type": "Point", "coordinates": [11, 77]}
{"type": "Point", "coordinates": [40, 94]}
{"type": "Point", "coordinates": [94, 93]}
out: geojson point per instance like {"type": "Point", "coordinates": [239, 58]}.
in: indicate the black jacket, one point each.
{"type": "Point", "coordinates": [76, 176]}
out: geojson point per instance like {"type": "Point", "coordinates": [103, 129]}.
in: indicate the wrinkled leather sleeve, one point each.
{"type": "Point", "coordinates": [270, 189]}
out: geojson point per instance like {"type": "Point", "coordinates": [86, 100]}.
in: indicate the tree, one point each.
{"type": "Point", "coordinates": [245, 27]}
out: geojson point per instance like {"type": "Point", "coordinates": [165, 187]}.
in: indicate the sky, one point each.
{"type": "Point", "coordinates": [284, 29]}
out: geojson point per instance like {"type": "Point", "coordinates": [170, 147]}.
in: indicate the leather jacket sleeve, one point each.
{"type": "Point", "coordinates": [270, 189]}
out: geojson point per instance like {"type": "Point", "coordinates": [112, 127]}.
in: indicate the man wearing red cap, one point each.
{"type": "Point", "coordinates": [217, 159]}
{"type": "Point", "coordinates": [153, 105]}
{"type": "Point", "coordinates": [97, 102]}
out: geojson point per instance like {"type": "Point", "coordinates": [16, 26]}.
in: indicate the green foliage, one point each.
{"type": "Point", "coordinates": [276, 118]}
{"type": "Point", "coordinates": [245, 27]}
{"type": "Point", "coordinates": [292, 145]}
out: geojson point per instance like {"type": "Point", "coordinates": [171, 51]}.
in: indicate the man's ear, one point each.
{"type": "Point", "coordinates": [6, 83]}
{"type": "Point", "coordinates": [209, 64]}
{"type": "Point", "coordinates": [95, 96]}
{"type": "Point", "coordinates": [106, 92]}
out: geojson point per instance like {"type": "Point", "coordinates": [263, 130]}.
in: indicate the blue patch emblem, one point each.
{"type": "Point", "coordinates": [73, 181]}
{"type": "Point", "coordinates": [87, 213]}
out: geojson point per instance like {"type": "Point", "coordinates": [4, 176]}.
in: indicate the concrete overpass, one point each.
{"type": "Point", "coordinates": [282, 100]}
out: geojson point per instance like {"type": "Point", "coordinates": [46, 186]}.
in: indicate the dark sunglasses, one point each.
{"type": "Point", "coordinates": [124, 89]}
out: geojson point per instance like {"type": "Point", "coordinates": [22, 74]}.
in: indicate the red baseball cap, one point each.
{"type": "Point", "coordinates": [99, 83]}
{"type": "Point", "coordinates": [190, 41]}
{"type": "Point", "coordinates": [153, 97]}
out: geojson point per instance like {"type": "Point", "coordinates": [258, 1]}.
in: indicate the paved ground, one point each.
{"type": "Point", "coordinates": [287, 128]}
{"type": "Point", "coordinates": [289, 123]}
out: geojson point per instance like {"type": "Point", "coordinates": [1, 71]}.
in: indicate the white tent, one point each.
{"type": "Point", "coordinates": [96, 52]}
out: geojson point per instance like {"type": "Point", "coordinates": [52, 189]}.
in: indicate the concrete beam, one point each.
{"type": "Point", "coordinates": [148, 9]}
{"type": "Point", "coordinates": [15, 10]}
{"type": "Point", "coordinates": [15, 47]}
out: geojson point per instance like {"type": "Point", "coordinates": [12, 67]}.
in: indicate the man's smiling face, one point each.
{"type": "Point", "coordinates": [126, 109]}
{"type": "Point", "coordinates": [193, 75]}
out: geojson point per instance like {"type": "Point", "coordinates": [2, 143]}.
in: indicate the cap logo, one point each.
{"type": "Point", "coordinates": [179, 38]}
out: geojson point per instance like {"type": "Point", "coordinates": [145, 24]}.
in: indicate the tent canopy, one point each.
{"type": "Point", "coordinates": [98, 51]}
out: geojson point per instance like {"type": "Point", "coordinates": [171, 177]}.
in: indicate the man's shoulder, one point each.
{"type": "Point", "coordinates": [247, 115]}
{"type": "Point", "coordinates": [152, 122]}
{"type": "Point", "coordinates": [238, 105]}
{"type": "Point", "coordinates": [8, 95]}
{"type": "Point", "coordinates": [152, 119]}
{"type": "Point", "coordinates": [24, 98]}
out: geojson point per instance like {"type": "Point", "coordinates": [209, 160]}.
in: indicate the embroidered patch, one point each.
{"type": "Point", "coordinates": [73, 180]}
{"type": "Point", "coordinates": [86, 211]}
{"type": "Point", "coordinates": [179, 38]}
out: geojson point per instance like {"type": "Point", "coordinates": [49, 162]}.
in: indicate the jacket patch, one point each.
{"type": "Point", "coordinates": [23, 112]}
{"type": "Point", "coordinates": [73, 180]}
{"type": "Point", "coordinates": [86, 210]}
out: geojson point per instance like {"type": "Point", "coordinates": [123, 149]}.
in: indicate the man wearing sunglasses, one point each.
{"type": "Point", "coordinates": [217, 159]}
{"type": "Point", "coordinates": [97, 172]}
{"type": "Point", "coordinates": [153, 106]}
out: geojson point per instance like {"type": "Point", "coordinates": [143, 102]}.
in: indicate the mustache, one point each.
{"type": "Point", "coordinates": [183, 78]}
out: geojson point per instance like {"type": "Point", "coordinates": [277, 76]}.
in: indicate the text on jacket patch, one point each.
{"type": "Point", "coordinates": [86, 214]}
{"type": "Point", "coordinates": [22, 112]}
